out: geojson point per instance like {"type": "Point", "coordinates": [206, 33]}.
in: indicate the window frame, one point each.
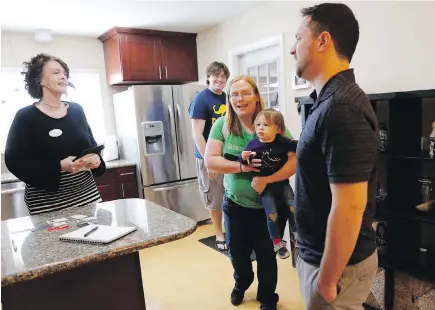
{"type": "Point", "coordinates": [98, 127]}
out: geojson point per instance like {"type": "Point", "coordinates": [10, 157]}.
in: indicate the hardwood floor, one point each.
{"type": "Point", "coordinates": [187, 275]}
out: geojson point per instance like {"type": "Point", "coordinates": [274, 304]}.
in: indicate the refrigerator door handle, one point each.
{"type": "Point", "coordinates": [174, 146]}
{"type": "Point", "coordinates": [168, 188]}
{"type": "Point", "coordinates": [180, 136]}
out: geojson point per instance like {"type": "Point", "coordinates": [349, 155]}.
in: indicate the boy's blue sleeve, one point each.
{"type": "Point", "coordinates": [199, 109]}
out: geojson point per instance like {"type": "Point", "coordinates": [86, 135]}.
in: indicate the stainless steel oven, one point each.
{"type": "Point", "coordinates": [13, 204]}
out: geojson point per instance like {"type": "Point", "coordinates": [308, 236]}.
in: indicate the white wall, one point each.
{"type": "Point", "coordinates": [0, 45]}
{"type": "Point", "coordinates": [395, 52]}
{"type": "Point", "coordinates": [80, 53]}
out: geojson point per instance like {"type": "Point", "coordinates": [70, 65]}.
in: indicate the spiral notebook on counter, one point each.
{"type": "Point", "coordinates": [103, 235]}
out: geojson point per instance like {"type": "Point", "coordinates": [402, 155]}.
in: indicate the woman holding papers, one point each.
{"type": "Point", "coordinates": [45, 138]}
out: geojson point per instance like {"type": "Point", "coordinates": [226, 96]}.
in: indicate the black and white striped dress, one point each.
{"type": "Point", "coordinates": [75, 190]}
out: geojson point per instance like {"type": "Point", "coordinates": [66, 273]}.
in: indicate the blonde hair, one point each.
{"type": "Point", "coordinates": [233, 121]}
{"type": "Point", "coordinates": [274, 117]}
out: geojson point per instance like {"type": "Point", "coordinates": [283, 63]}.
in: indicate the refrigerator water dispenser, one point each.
{"type": "Point", "coordinates": [154, 138]}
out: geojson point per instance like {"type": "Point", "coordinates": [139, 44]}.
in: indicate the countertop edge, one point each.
{"type": "Point", "coordinates": [67, 265]}
{"type": "Point", "coordinates": [8, 177]}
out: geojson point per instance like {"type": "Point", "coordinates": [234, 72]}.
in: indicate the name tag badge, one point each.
{"type": "Point", "coordinates": [55, 133]}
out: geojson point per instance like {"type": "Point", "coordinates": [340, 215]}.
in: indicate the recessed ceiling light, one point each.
{"type": "Point", "coordinates": [43, 36]}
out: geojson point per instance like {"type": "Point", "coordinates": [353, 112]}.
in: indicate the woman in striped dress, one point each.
{"type": "Point", "coordinates": [44, 139]}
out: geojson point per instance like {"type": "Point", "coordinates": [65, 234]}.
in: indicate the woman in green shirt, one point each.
{"type": "Point", "coordinates": [244, 217]}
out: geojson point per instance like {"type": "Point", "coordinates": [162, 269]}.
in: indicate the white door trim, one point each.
{"type": "Point", "coordinates": [233, 63]}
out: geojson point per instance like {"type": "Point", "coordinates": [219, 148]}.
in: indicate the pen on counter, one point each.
{"type": "Point", "coordinates": [91, 231]}
{"type": "Point", "coordinates": [14, 245]}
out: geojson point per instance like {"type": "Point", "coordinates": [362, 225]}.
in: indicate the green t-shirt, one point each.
{"type": "Point", "coordinates": [238, 185]}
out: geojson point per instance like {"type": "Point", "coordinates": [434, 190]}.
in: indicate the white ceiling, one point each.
{"type": "Point", "coordinates": [94, 17]}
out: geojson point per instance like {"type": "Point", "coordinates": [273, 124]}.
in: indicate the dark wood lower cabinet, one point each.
{"type": "Point", "coordinates": [109, 192]}
{"type": "Point", "coordinates": [118, 183]}
{"type": "Point", "coordinates": [112, 284]}
{"type": "Point", "coordinates": [129, 190]}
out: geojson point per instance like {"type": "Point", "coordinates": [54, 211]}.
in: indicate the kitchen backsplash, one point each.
{"type": "Point", "coordinates": [3, 167]}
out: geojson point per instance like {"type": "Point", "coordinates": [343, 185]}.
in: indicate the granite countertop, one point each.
{"type": "Point", "coordinates": [30, 251]}
{"type": "Point", "coordinates": [119, 163]}
{"type": "Point", "coordinates": [8, 177]}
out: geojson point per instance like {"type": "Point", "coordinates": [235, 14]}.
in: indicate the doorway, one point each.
{"type": "Point", "coordinates": [263, 61]}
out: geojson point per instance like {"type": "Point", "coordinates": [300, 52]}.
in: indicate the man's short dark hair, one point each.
{"type": "Point", "coordinates": [216, 67]}
{"type": "Point", "coordinates": [339, 20]}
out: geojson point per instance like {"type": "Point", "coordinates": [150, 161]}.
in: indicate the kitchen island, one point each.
{"type": "Point", "coordinates": [41, 272]}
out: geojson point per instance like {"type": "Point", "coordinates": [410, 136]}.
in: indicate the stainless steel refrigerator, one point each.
{"type": "Point", "coordinates": [154, 131]}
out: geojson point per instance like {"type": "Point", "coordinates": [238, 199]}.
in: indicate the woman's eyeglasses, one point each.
{"type": "Point", "coordinates": [243, 95]}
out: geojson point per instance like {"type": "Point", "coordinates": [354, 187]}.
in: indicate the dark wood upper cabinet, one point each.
{"type": "Point", "coordinates": [140, 56]}
{"type": "Point", "coordinates": [179, 60]}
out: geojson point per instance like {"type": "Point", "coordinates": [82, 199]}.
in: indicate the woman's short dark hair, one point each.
{"type": "Point", "coordinates": [33, 72]}
{"type": "Point", "coordinates": [216, 67]}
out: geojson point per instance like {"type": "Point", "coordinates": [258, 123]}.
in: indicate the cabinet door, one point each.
{"type": "Point", "coordinates": [129, 190]}
{"type": "Point", "coordinates": [108, 177]}
{"type": "Point", "coordinates": [179, 60]}
{"type": "Point", "coordinates": [109, 192]}
{"type": "Point", "coordinates": [141, 58]}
